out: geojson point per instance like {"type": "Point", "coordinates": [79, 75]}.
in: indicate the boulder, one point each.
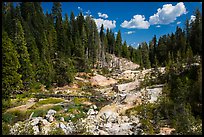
{"type": "Point", "coordinates": [126, 87]}
{"type": "Point", "coordinates": [35, 121]}
{"type": "Point", "coordinates": [62, 119]}
{"type": "Point", "coordinates": [94, 106]}
{"type": "Point", "coordinates": [46, 129]}
{"type": "Point", "coordinates": [91, 112]}
{"type": "Point", "coordinates": [45, 122]}
{"type": "Point", "coordinates": [166, 131]}
{"type": "Point", "coordinates": [51, 112]}
{"type": "Point", "coordinates": [36, 130]}
{"type": "Point", "coordinates": [62, 126]}
{"type": "Point", "coordinates": [51, 119]}
{"type": "Point", "coordinates": [102, 132]}
{"type": "Point", "coordinates": [100, 80]}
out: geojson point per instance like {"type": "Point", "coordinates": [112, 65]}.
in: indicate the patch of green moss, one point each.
{"type": "Point", "coordinates": [47, 101]}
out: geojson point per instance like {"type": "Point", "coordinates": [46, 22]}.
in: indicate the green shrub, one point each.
{"type": "Point", "coordinates": [8, 117]}
{"type": "Point", "coordinates": [56, 131]}
{"type": "Point", "coordinates": [39, 112]}
{"type": "Point", "coordinates": [5, 129]}
{"type": "Point", "coordinates": [105, 70]}
{"type": "Point", "coordinates": [14, 116]}
{"type": "Point", "coordinates": [57, 108]}
{"type": "Point", "coordinates": [47, 101]}
{"type": "Point", "coordinates": [6, 104]}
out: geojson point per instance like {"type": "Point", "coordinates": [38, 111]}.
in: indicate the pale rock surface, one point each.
{"type": "Point", "coordinates": [100, 80]}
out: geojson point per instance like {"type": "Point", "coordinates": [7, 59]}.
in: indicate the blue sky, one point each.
{"type": "Point", "coordinates": [138, 21]}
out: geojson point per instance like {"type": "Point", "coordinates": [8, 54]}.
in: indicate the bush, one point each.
{"type": "Point", "coordinates": [57, 108]}
{"type": "Point", "coordinates": [39, 112]}
{"type": "Point", "coordinates": [56, 131]}
{"type": "Point", "coordinates": [48, 101]}
{"type": "Point", "coordinates": [14, 116]}
{"type": "Point", "coordinates": [8, 117]}
{"type": "Point", "coordinates": [5, 129]}
{"type": "Point", "coordinates": [105, 70]}
{"type": "Point", "coordinates": [6, 104]}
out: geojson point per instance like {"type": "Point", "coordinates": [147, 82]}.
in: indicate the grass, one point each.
{"type": "Point", "coordinates": [39, 112]}
{"type": "Point", "coordinates": [56, 131]}
{"type": "Point", "coordinates": [14, 116]}
{"type": "Point", "coordinates": [5, 129]}
{"type": "Point", "coordinates": [47, 101]}
{"type": "Point", "coordinates": [57, 108]}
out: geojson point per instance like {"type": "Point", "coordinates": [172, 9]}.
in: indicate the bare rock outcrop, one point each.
{"type": "Point", "coordinates": [100, 80]}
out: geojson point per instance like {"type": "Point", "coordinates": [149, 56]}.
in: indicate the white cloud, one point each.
{"type": "Point", "coordinates": [178, 22]}
{"type": "Point", "coordinates": [130, 32]}
{"type": "Point", "coordinates": [134, 44]}
{"type": "Point", "coordinates": [102, 15]}
{"type": "Point", "coordinates": [138, 22]}
{"type": "Point", "coordinates": [79, 8]}
{"type": "Point", "coordinates": [192, 18]}
{"type": "Point", "coordinates": [116, 33]}
{"type": "Point", "coordinates": [158, 26]}
{"type": "Point", "coordinates": [168, 14]}
{"type": "Point", "coordinates": [88, 12]}
{"type": "Point", "coordinates": [111, 24]}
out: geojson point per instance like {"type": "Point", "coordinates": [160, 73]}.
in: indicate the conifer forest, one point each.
{"type": "Point", "coordinates": [61, 75]}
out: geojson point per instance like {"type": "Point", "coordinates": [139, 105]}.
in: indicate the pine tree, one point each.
{"type": "Point", "coordinates": [145, 55]}
{"type": "Point", "coordinates": [26, 67]}
{"type": "Point", "coordinates": [56, 11]}
{"type": "Point", "coordinates": [102, 47]}
{"type": "Point", "coordinates": [10, 19]}
{"type": "Point", "coordinates": [162, 51]}
{"type": "Point", "coordinates": [196, 33]}
{"type": "Point", "coordinates": [11, 79]}
{"type": "Point", "coordinates": [125, 53]}
{"type": "Point", "coordinates": [118, 44]}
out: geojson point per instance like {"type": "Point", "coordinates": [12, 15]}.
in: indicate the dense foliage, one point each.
{"type": "Point", "coordinates": [48, 49]}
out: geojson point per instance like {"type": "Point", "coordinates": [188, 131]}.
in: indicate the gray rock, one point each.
{"type": "Point", "coordinates": [51, 119]}
{"type": "Point", "coordinates": [94, 106]}
{"type": "Point", "coordinates": [62, 126]}
{"type": "Point", "coordinates": [114, 129]}
{"type": "Point", "coordinates": [36, 130]}
{"type": "Point", "coordinates": [45, 122]}
{"type": "Point", "coordinates": [62, 119]}
{"type": "Point", "coordinates": [134, 119]}
{"type": "Point", "coordinates": [91, 112]}
{"type": "Point", "coordinates": [112, 118]}
{"type": "Point", "coordinates": [46, 129]}
{"type": "Point", "coordinates": [126, 87]}
{"type": "Point", "coordinates": [101, 132]}
{"type": "Point", "coordinates": [35, 121]}
{"type": "Point", "coordinates": [108, 125]}
{"type": "Point", "coordinates": [51, 112]}
{"type": "Point", "coordinates": [70, 127]}
{"type": "Point", "coordinates": [124, 118]}
{"type": "Point", "coordinates": [125, 126]}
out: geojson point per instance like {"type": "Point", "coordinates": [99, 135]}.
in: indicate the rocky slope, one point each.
{"type": "Point", "coordinates": [98, 116]}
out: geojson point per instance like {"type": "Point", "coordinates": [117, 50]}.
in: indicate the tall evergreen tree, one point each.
{"type": "Point", "coordinates": [56, 11]}
{"type": "Point", "coordinates": [26, 67]}
{"type": "Point", "coordinates": [196, 33]}
{"type": "Point", "coordinates": [11, 79]}
{"type": "Point", "coordinates": [145, 55]}
{"type": "Point", "coordinates": [118, 44]}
